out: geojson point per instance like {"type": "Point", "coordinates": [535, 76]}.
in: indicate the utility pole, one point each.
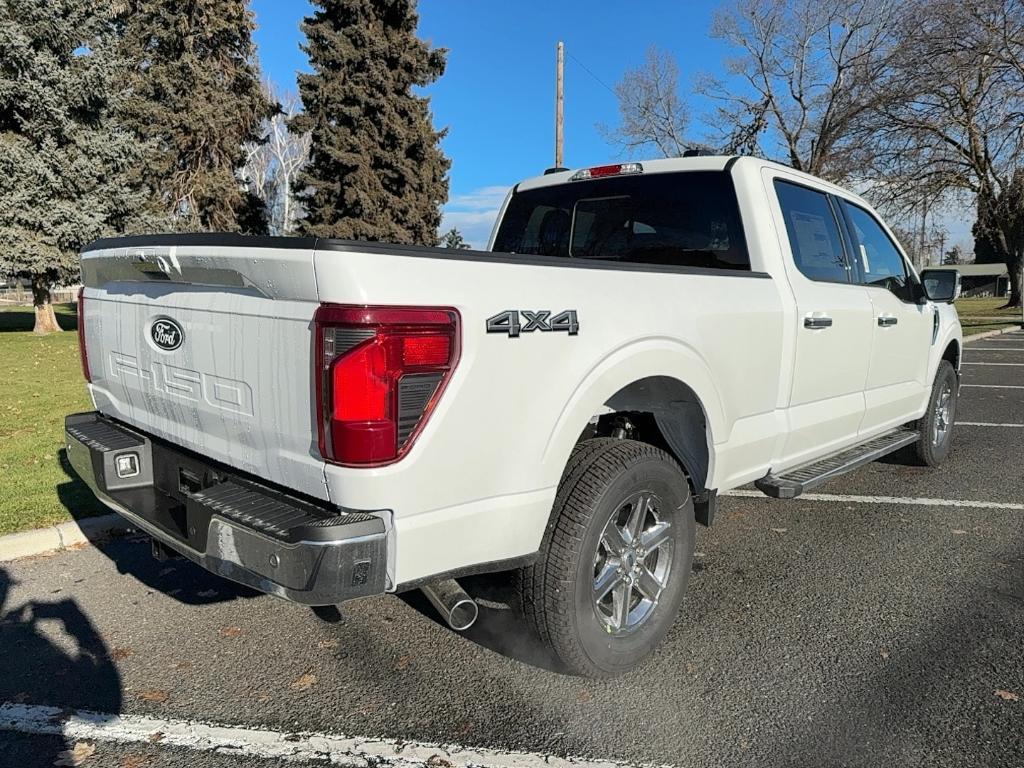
{"type": "Point", "coordinates": [559, 103]}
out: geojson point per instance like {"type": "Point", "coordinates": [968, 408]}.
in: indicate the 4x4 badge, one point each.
{"type": "Point", "coordinates": [508, 322]}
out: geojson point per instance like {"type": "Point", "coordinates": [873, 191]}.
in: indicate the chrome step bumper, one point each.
{"type": "Point", "coordinates": [232, 525]}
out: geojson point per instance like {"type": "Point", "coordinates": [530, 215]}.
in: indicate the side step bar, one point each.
{"type": "Point", "coordinates": [793, 482]}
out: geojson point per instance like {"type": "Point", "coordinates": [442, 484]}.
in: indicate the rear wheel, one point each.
{"type": "Point", "coordinates": [615, 563]}
{"type": "Point", "coordinates": [937, 423]}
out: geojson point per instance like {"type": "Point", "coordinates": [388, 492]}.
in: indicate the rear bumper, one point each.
{"type": "Point", "coordinates": [230, 524]}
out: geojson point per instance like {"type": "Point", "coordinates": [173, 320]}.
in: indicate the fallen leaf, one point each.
{"type": "Point", "coordinates": [155, 736]}
{"type": "Point", "coordinates": [121, 653]}
{"type": "Point", "coordinates": [304, 682]}
{"type": "Point", "coordinates": [403, 662]}
{"type": "Point", "coordinates": [135, 760]}
{"type": "Point", "coordinates": [884, 654]}
{"type": "Point", "coordinates": [77, 755]}
{"type": "Point", "coordinates": [1007, 695]}
{"type": "Point", "coordinates": [779, 530]}
{"type": "Point", "coordinates": [436, 761]}
{"type": "Point", "coordinates": [585, 697]}
{"type": "Point", "coordinates": [155, 696]}
{"type": "Point", "coordinates": [959, 532]}
{"type": "Point", "coordinates": [230, 631]}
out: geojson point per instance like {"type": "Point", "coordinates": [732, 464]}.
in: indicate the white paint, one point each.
{"type": "Point", "coordinates": [270, 744]}
{"type": "Point", "coordinates": [985, 424]}
{"type": "Point", "coordinates": [921, 502]}
{"type": "Point", "coordinates": [995, 349]}
{"type": "Point", "coordinates": [993, 386]}
{"type": "Point", "coordinates": [1015, 365]}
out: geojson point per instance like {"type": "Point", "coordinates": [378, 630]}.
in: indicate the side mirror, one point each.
{"type": "Point", "coordinates": [941, 285]}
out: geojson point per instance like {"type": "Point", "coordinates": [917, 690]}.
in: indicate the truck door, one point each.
{"type": "Point", "coordinates": [834, 325]}
{"type": "Point", "coordinates": [901, 328]}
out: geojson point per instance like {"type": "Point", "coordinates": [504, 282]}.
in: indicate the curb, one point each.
{"type": "Point", "coordinates": [986, 334]}
{"type": "Point", "coordinates": [61, 536]}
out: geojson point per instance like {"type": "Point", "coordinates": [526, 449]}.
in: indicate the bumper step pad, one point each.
{"type": "Point", "coordinates": [793, 482]}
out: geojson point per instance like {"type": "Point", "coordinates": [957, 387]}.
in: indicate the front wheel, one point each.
{"type": "Point", "coordinates": [615, 564]}
{"type": "Point", "coordinates": [936, 425]}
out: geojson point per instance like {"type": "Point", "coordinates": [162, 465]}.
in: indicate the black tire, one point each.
{"type": "Point", "coordinates": [935, 442]}
{"type": "Point", "coordinates": [557, 592]}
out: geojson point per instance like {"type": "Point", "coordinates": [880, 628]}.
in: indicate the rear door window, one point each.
{"type": "Point", "coordinates": [685, 219]}
{"type": "Point", "coordinates": [813, 233]}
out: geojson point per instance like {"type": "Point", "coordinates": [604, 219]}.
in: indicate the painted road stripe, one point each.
{"type": "Point", "coordinates": [1016, 365]}
{"type": "Point", "coordinates": [993, 386]}
{"type": "Point", "coordinates": [994, 349]}
{"type": "Point", "coordinates": [985, 424]}
{"type": "Point", "coordinates": [886, 500]}
{"type": "Point", "coordinates": [270, 744]}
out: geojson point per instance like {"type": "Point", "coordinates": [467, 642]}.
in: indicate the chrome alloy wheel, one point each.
{"type": "Point", "coordinates": [943, 415]}
{"type": "Point", "coordinates": [632, 564]}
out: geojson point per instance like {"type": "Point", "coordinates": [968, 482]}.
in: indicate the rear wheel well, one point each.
{"type": "Point", "coordinates": [666, 413]}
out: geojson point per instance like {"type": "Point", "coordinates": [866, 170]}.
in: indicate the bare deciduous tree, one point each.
{"type": "Point", "coordinates": [652, 112]}
{"type": "Point", "coordinates": [808, 70]}
{"type": "Point", "coordinates": [273, 165]}
{"type": "Point", "coordinates": [953, 120]}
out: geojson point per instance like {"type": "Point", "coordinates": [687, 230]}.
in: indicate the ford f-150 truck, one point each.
{"type": "Point", "coordinates": [325, 420]}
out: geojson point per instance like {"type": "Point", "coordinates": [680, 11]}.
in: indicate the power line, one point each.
{"type": "Point", "coordinates": [589, 72]}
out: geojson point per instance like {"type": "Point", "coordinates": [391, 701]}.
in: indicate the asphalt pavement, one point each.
{"type": "Point", "coordinates": [879, 623]}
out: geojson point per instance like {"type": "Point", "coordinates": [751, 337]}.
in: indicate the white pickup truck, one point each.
{"type": "Point", "coordinates": [325, 420]}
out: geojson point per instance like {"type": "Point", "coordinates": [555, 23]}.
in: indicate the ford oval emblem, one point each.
{"type": "Point", "coordinates": [166, 334]}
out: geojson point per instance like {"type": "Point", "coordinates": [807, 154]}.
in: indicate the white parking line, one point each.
{"type": "Point", "coordinates": [887, 500]}
{"type": "Point", "coordinates": [1010, 364]}
{"type": "Point", "coordinates": [985, 424]}
{"type": "Point", "coordinates": [270, 744]}
{"type": "Point", "coordinates": [993, 386]}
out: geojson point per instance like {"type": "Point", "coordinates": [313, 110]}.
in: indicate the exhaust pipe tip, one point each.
{"type": "Point", "coordinates": [457, 608]}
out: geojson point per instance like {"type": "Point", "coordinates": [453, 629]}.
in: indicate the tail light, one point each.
{"type": "Point", "coordinates": [81, 335]}
{"type": "Point", "coordinates": [379, 372]}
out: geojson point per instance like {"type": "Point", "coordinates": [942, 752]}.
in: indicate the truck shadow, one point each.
{"type": "Point", "coordinates": [52, 654]}
{"type": "Point", "coordinates": [130, 552]}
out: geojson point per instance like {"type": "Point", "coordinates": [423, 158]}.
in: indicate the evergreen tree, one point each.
{"type": "Point", "coordinates": [63, 163]}
{"type": "Point", "coordinates": [376, 171]}
{"type": "Point", "coordinates": [195, 99]}
{"type": "Point", "coordinates": [453, 239]}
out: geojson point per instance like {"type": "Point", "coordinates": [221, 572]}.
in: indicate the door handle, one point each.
{"type": "Point", "coordinates": [817, 322]}
{"type": "Point", "coordinates": [887, 320]}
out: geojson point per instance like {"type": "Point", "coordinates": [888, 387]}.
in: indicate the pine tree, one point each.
{"type": "Point", "coordinates": [376, 171]}
{"type": "Point", "coordinates": [63, 163]}
{"type": "Point", "coordinates": [195, 99]}
{"type": "Point", "coordinates": [453, 239]}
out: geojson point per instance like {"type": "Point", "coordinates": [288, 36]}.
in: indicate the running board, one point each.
{"type": "Point", "coordinates": [793, 482]}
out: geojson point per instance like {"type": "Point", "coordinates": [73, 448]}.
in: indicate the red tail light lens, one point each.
{"type": "Point", "coordinates": [81, 336]}
{"type": "Point", "coordinates": [379, 372]}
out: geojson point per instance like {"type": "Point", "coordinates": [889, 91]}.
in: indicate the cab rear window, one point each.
{"type": "Point", "coordinates": [685, 219]}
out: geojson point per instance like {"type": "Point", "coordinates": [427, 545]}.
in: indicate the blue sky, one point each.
{"type": "Point", "coordinates": [497, 96]}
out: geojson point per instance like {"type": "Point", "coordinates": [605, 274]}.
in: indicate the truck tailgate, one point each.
{"type": "Point", "coordinates": [208, 345]}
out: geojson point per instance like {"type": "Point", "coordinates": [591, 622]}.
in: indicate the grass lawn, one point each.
{"type": "Point", "coordinates": [978, 315]}
{"type": "Point", "coordinates": [41, 383]}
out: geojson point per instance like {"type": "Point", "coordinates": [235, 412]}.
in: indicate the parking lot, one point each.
{"type": "Point", "coordinates": [879, 621]}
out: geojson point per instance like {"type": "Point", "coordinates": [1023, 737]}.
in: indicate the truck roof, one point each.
{"type": "Point", "coordinates": [675, 164]}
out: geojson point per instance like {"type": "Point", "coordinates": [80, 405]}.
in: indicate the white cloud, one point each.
{"type": "Point", "coordinates": [473, 214]}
